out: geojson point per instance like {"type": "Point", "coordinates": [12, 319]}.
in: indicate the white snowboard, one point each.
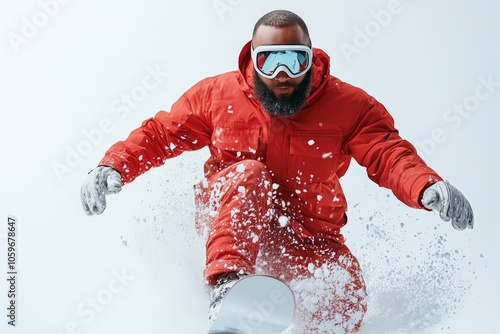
{"type": "Point", "coordinates": [255, 304]}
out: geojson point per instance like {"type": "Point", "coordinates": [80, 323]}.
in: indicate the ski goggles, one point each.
{"type": "Point", "coordinates": [294, 60]}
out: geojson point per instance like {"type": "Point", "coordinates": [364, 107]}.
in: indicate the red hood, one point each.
{"type": "Point", "coordinates": [320, 69]}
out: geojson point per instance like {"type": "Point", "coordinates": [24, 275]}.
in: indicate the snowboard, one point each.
{"type": "Point", "coordinates": [255, 304]}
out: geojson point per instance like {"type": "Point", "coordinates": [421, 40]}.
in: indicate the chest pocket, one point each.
{"type": "Point", "coordinates": [236, 141]}
{"type": "Point", "coordinates": [314, 157]}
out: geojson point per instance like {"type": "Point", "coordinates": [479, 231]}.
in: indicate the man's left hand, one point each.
{"type": "Point", "coordinates": [450, 203]}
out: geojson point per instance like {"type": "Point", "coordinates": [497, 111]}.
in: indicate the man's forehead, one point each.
{"type": "Point", "coordinates": [269, 35]}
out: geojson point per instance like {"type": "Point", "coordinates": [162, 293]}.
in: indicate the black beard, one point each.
{"type": "Point", "coordinates": [286, 107]}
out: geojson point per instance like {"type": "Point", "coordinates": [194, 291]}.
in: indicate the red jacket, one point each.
{"type": "Point", "coordinates": [306, 154]}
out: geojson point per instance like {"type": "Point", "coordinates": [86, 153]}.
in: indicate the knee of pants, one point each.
{"type": "Point", "coordinates": [245, 176]}
{"type": "Point", "coordinates": [248, 170]}
{"type": "Point", "coordinates": [245, 171]}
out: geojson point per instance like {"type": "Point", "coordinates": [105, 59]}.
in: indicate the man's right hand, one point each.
{"type": "Point", "coordinates": [100, 182]}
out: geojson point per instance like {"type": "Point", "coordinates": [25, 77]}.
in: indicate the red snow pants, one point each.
{"type": "Point", "coordinates": [235, 211]}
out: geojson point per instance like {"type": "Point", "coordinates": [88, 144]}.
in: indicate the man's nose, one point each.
{"type": "Point", "coordinates": [282, 76]}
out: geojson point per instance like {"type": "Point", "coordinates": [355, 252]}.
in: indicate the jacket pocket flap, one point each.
{"type": "Point", "coordinates": [315, 145]}
{"type": "Point", "coordinates": [234, 137]}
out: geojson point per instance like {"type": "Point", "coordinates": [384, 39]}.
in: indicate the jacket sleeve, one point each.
{"type": "Point", "coordinates": [164, 136]}
{"type": "Point", "coordinates": [390, 161]}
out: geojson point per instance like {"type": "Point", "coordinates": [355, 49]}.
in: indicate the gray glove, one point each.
{"type": "Point", "coordinates": [100, 182]}
{"type": "Point", "coordinates": [450, 203]}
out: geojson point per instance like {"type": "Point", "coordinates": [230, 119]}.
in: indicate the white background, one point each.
{"type": "Point", "coordinates": [68, 76]}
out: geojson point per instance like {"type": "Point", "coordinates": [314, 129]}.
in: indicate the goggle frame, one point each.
{"type": "Point", "coordinates": [276, 48]}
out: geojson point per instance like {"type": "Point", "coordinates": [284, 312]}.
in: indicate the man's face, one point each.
{"type": "Point", "coordinates": [282, 95]}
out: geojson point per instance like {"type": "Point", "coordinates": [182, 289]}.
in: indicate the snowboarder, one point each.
{"type": "Point", "coordinates": [281, 132]}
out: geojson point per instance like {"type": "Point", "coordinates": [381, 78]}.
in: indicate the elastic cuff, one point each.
{"type": "Point", "coordinates": [216, 268]}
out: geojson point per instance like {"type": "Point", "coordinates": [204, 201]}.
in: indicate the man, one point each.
{"type": "Point", "coordinates": [281, 132]}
